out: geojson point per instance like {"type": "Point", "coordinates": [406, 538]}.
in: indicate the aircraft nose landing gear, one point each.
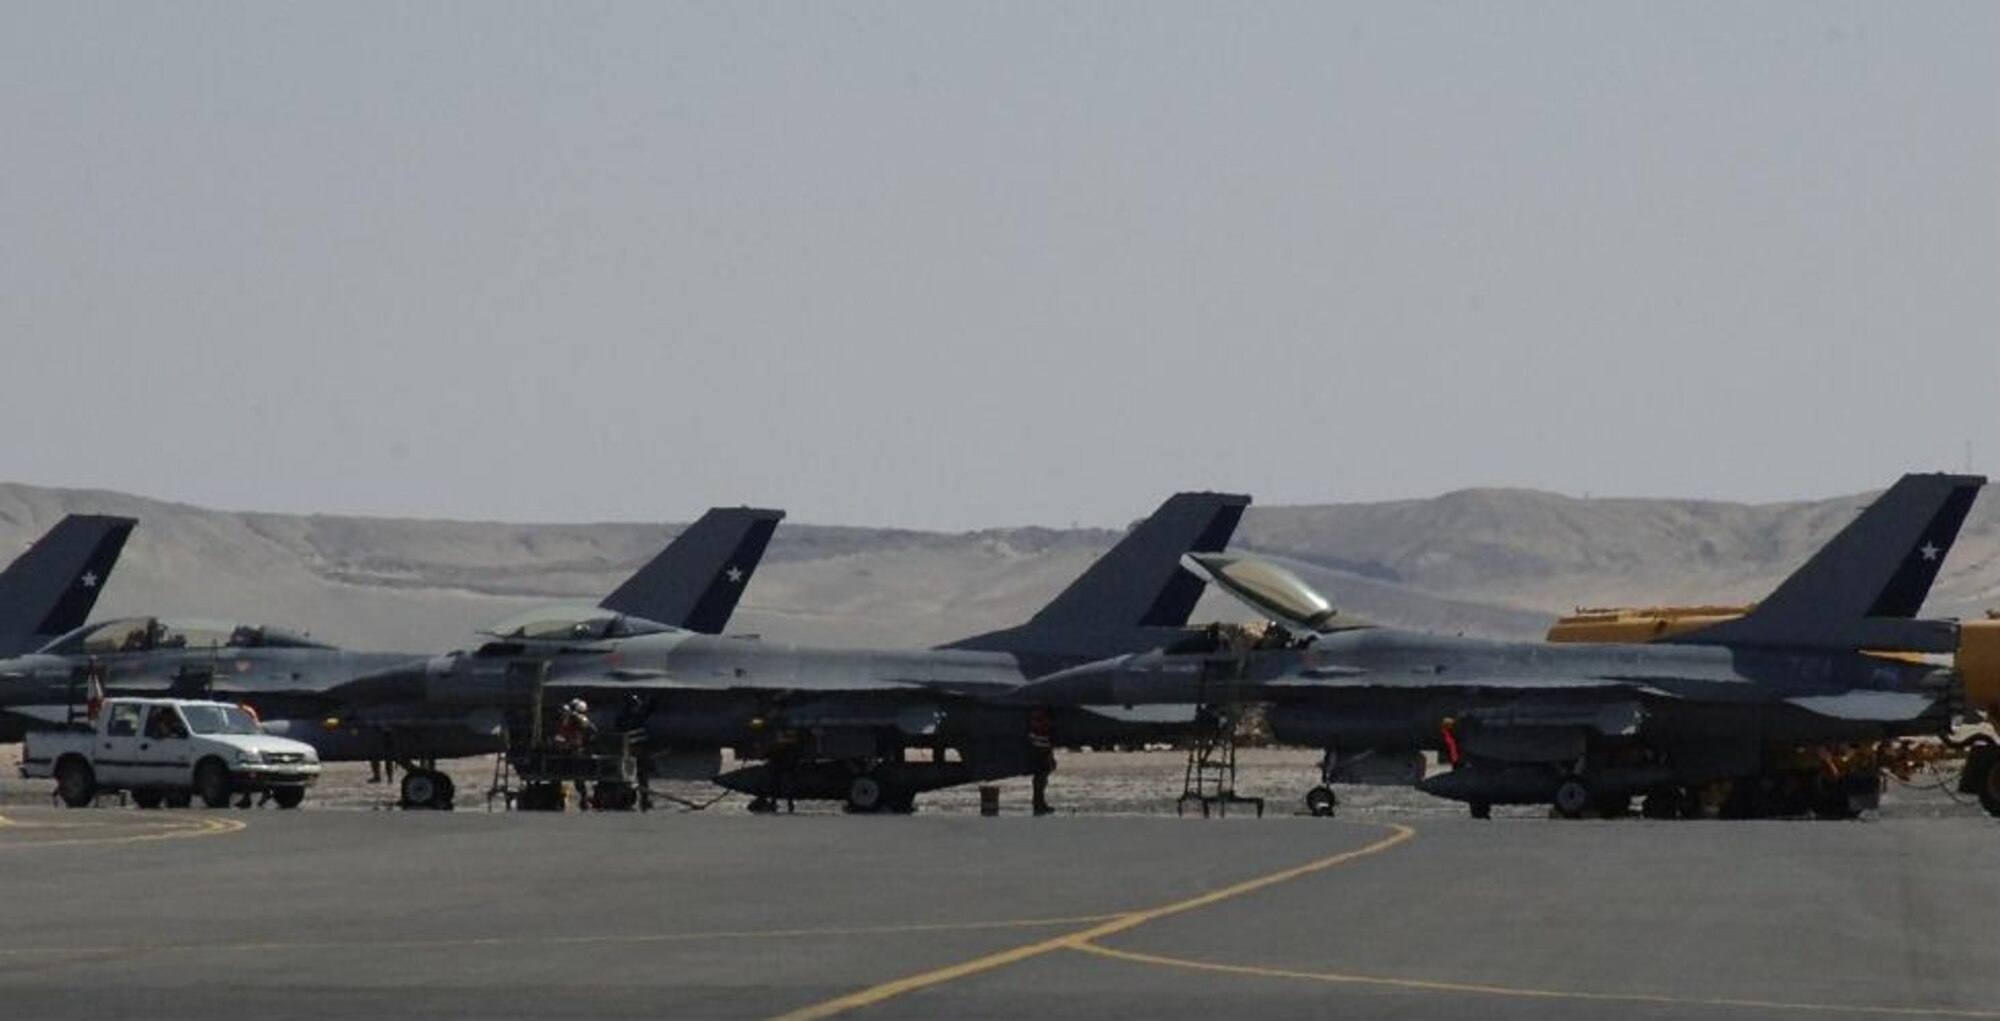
{"type": "Point", "coordinates": [1321, 802]}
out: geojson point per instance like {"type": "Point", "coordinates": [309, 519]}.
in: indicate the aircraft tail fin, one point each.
{"type": "Point", "coordinates": [1138, 583]}
{"type": "Point", "coordinates": [696, 581]}
{"type": "Point", "coordinates": [1864, 588]}
{"type": "Point", "coordinates": [52, 587]}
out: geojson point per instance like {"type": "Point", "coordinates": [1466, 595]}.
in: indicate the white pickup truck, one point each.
{"type": "Point", "coordinates": [167, 751]}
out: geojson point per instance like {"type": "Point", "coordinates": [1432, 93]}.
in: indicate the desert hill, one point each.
{"type": "Point", "coordinates": [1496, 562]}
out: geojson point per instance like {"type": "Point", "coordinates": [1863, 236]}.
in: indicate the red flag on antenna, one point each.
{"type": "Point", "coordinates": [93, 702]}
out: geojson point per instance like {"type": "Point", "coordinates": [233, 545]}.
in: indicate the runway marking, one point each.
{"type": "Point", "coordinates": [1525, 992]}
{"type": "Point", "coordinates": [545, 941]}
{"type": "Point", "coordinates": [1077, 940]}
{"type": "Point", "coordinates": [176, 829]}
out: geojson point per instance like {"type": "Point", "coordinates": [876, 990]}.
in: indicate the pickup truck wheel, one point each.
{"type": "Point", "coordinates": [211, 781]}
{"type": "Point", "coordinates": [288, 797]}
{"type": "Point", "coordinates": [146, 798]}
{"type": "Point", "coordinates": [76, 782]}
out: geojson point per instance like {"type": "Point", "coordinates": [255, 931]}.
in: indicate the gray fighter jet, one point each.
{"type": "Point", "coordinates": [286, 676]}
{"type": "Point", "coordinates": [1587, 727]}
{"type": "Point", "coordinates": [833, 723]}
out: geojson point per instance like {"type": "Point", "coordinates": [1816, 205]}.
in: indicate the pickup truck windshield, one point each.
{"type": "Point", "coordinates": [215, 719]}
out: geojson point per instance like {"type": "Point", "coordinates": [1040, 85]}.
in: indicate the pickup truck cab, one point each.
{"type": "Point", "coordinates": [168, 751]}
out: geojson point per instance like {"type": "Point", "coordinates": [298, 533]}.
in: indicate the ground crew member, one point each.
{"type": "Point", "coordinates": [1041, 757]}
{"type": "Point", "coordinates": [575, 734]}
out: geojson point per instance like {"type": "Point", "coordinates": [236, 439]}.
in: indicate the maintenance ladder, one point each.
{"type": "Point", "coordinates": [1210, 777]}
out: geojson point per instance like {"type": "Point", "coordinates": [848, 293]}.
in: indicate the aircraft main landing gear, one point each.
{"type": "Point", "coordinates": [426, 788]}
{"type": "Point", "coordinates": [1572, 797]}
{"type": "Point", "coordinates": [1982, 777]}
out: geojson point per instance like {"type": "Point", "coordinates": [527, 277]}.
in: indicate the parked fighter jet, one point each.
{"type": "Point", "coordinates": [51, 588]}
{"type": "Point", "coordinates": [1591, 726]}
{"type": "Point", "coordinates": [833, 723]}
{"type": "Point", "coordinates": [286, 676]}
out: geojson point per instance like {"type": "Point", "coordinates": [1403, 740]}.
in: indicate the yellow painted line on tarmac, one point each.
{"type": "Point", "coordinates": [1077, 940]}
{"type": "Point", "coordinates": [173, 830]}
{"type": "Point", "coordinates": [1526, 992]}
{"type": "Point", "coordinates": [547, 941]}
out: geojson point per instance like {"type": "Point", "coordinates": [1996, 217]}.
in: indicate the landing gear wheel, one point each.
{"type": "Point", "coordinates": [427, 788]}
{"type": "Point", "coordinates": [864, 794]}
{"type": "Point", "coordinates": [211, 781]}
{"type": "Point", "coordinates": [1321, 801]}
{"type": "Point", "coordinates": [1572, 797]}
{"type": "Point", "coordinates": [761, 805]}
{"type": "Point", "coordinates": [1482, 810]}
{"type": "Point", "coordinates": [288, 797]}
{"type": "Point", "coordinates": [148, 798]}
{"type": "Point", "coordinates": [76, 783]}
{"type": "Point", "coordinates": [1987, 786]}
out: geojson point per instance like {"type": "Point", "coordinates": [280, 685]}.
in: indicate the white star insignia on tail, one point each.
{"type": "Point", "coordinates": [89, 579]}
{"type": "Point", "coordinates": [1929, 550]}
{"type": "Point", "coordinates": [735, 575]}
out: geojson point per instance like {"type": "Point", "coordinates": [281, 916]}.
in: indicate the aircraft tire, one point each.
{"type": "Point", "coordinates": [864, 794]}
{"type": "Point", "coordinates": [76, 782]}
{"type": "Point", "coordinates": [427, 788]}
{"type": "Point", "coordinates": [1481, 809]}
{"type": "Point", "coordinates": [1321, 802]}
{"type": "Point", "coordinates": [288, 797]}
{"type": "Point", "coordinates": [211, 781]}
{"type": "Point", "coordinates": [1988, 785]}
{"type": "Point", "coordinates": [1572, 797]}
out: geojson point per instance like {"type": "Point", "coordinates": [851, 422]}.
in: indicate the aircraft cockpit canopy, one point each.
{"type": "Point", "coordinates": [574, 624]}
{"type": "Point", "coordinates": [146, 634]}
{"type": "Point", "coordinates": [1272, 589]}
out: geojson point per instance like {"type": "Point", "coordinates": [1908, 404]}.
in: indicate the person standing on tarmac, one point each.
{"type": "Point", "coordinates": [575, 733]}
{"type": "Point", "coordinates": [1041, 757]}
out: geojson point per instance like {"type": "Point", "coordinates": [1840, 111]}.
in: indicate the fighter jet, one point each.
{"type": "Point", "coordinates": [286, 676]}
{"type": "Point", "coordinates": [51, 588]}
{"type": "Point", "coordinates": [1586, 727]}
{"type": "Point", "coordinates": [835, 723]}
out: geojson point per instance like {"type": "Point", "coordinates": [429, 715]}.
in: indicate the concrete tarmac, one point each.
{"type": "Point", "coordinates": [115, 912]}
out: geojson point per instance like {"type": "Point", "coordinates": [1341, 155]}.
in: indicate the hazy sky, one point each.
{"type": "Point", "coordinates": [956, 265]}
